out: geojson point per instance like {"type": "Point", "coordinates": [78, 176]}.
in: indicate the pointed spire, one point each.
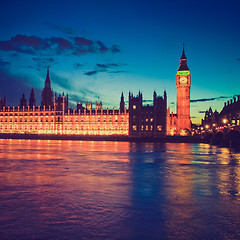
{"type": "Point", "coordinates": [47, 94]}
{"type": "Point", "coordinates": [32, 101]}
{"type": "Point", "coordinates": [154, 94]}
{"type": "Point", "coordinates": [183, 62]}
{"type": "Point", "coordinates": [183, 54]}
{"type": "Point", "coordinates": [47, 78]}
{"type": "Point", "coordinates": [23, 101]}
{"type": "Point", "coordinates": [122, 103]}
{"type": "Point", "coordinates": [122, 97]}
{"type": "Point", "coordinates": [48, 72]}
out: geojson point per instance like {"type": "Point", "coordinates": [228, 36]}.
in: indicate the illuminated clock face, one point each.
{"type": "Point", "coordinates": [183, 80]}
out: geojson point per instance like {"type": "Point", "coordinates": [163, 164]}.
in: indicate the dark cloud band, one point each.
{"type": "Point", "coordinates": [55, 45]}
{"type": "Point", "coordinates": [208, 99]}
{"type": "Point", "coordinates": [104, 68]}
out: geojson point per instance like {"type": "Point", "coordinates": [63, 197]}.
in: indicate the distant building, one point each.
{"type": "Point", "coordinates": [98, 105]}
{"type": "Point", "coordinates": [88, 105]}
{"type": "Point", "coordinates": [229, 115]}
{"type": "Point", "coordinates": [211, 118]}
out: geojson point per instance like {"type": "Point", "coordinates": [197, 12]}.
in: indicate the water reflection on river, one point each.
{"type": "Point", "coordinates": [118, 190]}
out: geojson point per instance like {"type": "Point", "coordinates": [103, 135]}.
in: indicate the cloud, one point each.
{"type": "Point", "coordinates": [109, 65]}
{"type": "Point", "coordinates": [208, 99]}
{"type": "Point", "coordinates": [118, 71]}
{"type": "Point", "coordinates": [91, 73]}
{"type": "Point", "coordinates": [78, 65]}
{"type": "Point", "coordinates": [115, 48]}
{"type": "Point", "coordinates": [102, 47]}
{"type": "Point", "coordinates": [54, 45]}
{"type": "Point", "coordinates": [83, 41]}
{"type": "Point", "coordinates": [64, 29]}
{"type": "Point", "coordinates": [43, 62]}
{"type": "Point", "coordinates": [25, 44]}
{"type": "Point", "coordinates": [102, 65]}
{"type": "Point", "coordinates": [84, 95]}
{"type": "Point", "coordinates": [148, 101]}
{"type": "Point", "coordinates": [4, 63]}
{"type": "Point", "coordinates": [104, 68]}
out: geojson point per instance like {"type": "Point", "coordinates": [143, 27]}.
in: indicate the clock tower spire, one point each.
{"type": "Point", "coordinates": [183, 84]}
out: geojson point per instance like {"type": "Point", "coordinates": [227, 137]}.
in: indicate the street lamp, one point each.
{"type": "Point", "coordinates": [224, 121]}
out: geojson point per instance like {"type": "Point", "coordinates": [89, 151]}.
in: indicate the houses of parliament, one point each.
{"type": "Point", "coordinates": [54, 116]}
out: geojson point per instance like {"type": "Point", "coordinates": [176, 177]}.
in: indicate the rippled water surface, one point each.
{"type": "Point", "coordinates": [118, 190]}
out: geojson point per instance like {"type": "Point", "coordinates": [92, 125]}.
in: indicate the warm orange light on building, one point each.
{"type": "Point", "coordinates": [50, 121]}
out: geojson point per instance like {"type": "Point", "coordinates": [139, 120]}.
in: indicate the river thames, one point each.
{"type": "Point", "coordinates": [118, 190]}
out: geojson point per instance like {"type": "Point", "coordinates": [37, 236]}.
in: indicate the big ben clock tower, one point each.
{"type": "Point", "coordinates": [183, 84]}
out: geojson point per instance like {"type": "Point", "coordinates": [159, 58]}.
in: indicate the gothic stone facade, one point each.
{"type": "Point", "coordinates": [147, 121]}
{"type": "Point", "coordinates": [52, 120]}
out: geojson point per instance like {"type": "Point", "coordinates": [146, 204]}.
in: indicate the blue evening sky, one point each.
{"type": "Point", "coordinates": [97, 49]}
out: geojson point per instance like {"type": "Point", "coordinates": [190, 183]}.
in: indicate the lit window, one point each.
{"type": "Point", "coordinates": [134, 107]}
{"type": "Point", "coordinates": [159, 128]}
{"type": "Point", "coordinates": [134, 128]}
